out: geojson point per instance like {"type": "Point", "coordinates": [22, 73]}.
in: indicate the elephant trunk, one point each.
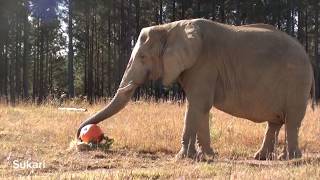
{"type": "Point", "coordinates": [119, 101]}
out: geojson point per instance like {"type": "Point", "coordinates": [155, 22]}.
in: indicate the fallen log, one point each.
{"type": "Point", "coordinates": [72, 109]}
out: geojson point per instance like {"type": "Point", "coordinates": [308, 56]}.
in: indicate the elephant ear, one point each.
{"type": "Point", "coordinates": [182, 49]}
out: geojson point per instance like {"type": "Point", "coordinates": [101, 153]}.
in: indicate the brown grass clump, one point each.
{"type": "Point", "coordinates": [147, 136]}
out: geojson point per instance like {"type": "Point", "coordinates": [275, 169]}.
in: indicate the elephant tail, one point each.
{"type": "Point", "coordinates": [313, 93]}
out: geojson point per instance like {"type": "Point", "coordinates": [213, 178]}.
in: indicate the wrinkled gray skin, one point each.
{"type": "Point", "coordinates": [254, 72]}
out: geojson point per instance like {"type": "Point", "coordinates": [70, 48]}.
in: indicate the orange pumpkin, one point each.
{"type": "Point", "coordinates": [91, 133]}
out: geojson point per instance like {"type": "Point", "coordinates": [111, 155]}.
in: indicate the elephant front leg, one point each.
{"type": "Point", "coordinates": [188, 148]}
{"type": "Point", "coordinates": [205, 152]}
{"type": "Point", "coordinates": [189, 134]}
{"type": "Point", "coordinates": [270, 139]}
{"type": "Point", "coordinates": [200, 96]}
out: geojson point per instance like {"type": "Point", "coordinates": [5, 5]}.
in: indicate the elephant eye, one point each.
{"type": "Point", "coordinates": [142, 56]}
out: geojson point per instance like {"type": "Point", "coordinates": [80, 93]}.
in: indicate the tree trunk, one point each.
{"type": "Point", "coordinates": [12, 84]}
{"type": "Point", "coordinates": [87, 52]}
{"type": "Point", "coordinates": [6, 67]}
{"type": "Point", "coordinates": [115, 56]}
{"type": "Point", "coordinates": [17, 57]}
{"type": "Point", "coordinates": [221, 11]}
{"type": "Point", "coordinates": [237, 5]}
{"type": "Point", "coordinates": [306, 30]}
{"type": "Point", "coordinates": [34, 82]}
{"type": "Point", "coordinates": [279, 15]}
{"type": "Point", "coordinates": [316, 49]}
{"type": "Point", "coordinates": [51, 76]}
{"type": "Point", "coordinates": [198, 8]}
{"type": "Point", "coordinates": [1, 67]}
{"type": "Point", "coordinates": [25, 58]}
{"type": "Point", "coordinates": [173, 10]}
{"type": "Point", "coordinates": [213, 10]}
{"type": "Point", "coordinates": [11, 75]}
{"type": "Point", "coordinates": [289, 18]}
{"type": "Point", "coordinates": [292, 17]}
{"type": "Point", "coordinates": [300, 23]}
{"type": "Point", "coordinates": [90, 62]}
{"type": "Point", "coordinates": [70, 52]}
{"type": "Point", "coordinates": [46, 66]}
{"type": "Point", "coordinates": [43, 28]}
{"type": "Point", "coordinates": [102, 75]}
{"type": "Point", "coordinates": [96, 58]}
{"type": "Point", "coordinates": [109, 55]}
{"type": "Point", "coordinates": [160, 12]}
{"type": "Point", "coordinates": [182, 9]}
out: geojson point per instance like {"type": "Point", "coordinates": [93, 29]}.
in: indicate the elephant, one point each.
{"type": "Point", "coordinates": [252, 71]}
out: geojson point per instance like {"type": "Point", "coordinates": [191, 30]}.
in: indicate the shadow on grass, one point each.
{"type": "Point", "coordinates": [308, 159]}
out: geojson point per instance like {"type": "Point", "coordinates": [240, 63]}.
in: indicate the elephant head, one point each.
{"type": "Point", "coordinates": [163, 51]}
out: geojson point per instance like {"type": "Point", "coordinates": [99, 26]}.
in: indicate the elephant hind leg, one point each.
{"type": "Point", "coordinates": [292, 126]}
{"type": "Point", "coordinates": [266, 152]}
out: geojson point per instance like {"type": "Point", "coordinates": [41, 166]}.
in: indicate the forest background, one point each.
{"type": "Point", "coordinates": [79, 48]}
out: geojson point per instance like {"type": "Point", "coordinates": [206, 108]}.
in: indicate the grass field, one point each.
{"type": "Point", "coordinates": [147, 136]}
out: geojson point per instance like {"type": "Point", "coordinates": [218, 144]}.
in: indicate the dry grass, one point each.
{"type": "Point", "coordinates": [147, 135]}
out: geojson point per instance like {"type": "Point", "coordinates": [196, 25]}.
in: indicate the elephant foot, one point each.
{"type": "Point", "coordinates": [205, 155]}
{"type": "Point", "coordinates": [264, 155]}
{"type": "Point", "coordinates": [181, 154]}
{"type": "Point", "coordinates": [290, 155]}
{"type": "Point", "coordinates": [186, 153]}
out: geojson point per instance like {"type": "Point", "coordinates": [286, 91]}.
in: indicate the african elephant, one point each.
{"type": "Point", "coordinates": [253, 71]}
